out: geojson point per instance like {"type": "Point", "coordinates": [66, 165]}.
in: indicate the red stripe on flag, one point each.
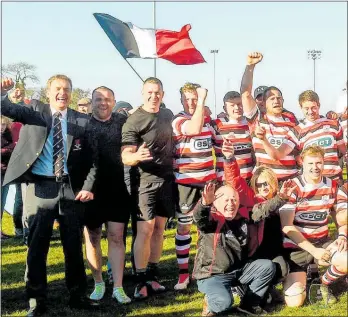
{"type": "Point", "coordinates": [177, 47]}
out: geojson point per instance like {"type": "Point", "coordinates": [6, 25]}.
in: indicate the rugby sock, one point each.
{"type": "Point", "coordinates": [182, 247]}
{"type": "Point", "coordinates": [331, 275]}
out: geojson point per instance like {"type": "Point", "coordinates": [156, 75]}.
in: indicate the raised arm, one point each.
{"type": "Point", "coordinates": [194, 125]}
{"type": "Point", "coordinates": [249, 104]}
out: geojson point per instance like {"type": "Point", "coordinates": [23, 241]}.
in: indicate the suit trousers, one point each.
{"type": "Point", "coordinates": [45, 201]}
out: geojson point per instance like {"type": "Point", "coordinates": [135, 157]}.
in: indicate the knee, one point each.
{"type": "Point", "coordinates": [144, 233]}
{"type": "Point", "coordinates": [115, 239]}
{"type": "Point", "coordinates": [93, 237]}
{"type": "Point", "coordinates": [182, 229]}
{"type": "Point", "coordinates": [340, 261]}
{"type": "Point", "coordinates": [269, 268]}
{"type": "Point", "coordinates": [295, 295]}
{"type": "Point", "coordinates": [220, 302]}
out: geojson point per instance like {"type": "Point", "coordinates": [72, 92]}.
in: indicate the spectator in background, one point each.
{"type": "Point", "coordinates": [84, 105]}
{"type": "Point", "coordinates": [7, 146]}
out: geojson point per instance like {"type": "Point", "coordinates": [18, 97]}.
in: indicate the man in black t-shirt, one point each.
{"type": "Point", "coordinates": [147, 143]}
{"type": "Point", "coordinates": [111, 198]}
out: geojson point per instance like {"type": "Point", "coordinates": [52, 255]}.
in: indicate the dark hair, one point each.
{"type": "Point", "coordinates": [265, 92]}
{"type": "Point", "coordinates": [153, 80]}
{"type": "Point", "coordinates": [103, 88]}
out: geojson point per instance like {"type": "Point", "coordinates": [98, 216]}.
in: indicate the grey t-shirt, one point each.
{"type": "Point", "coordinates": [155, 129]}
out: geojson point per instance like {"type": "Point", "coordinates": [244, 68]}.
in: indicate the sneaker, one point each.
{"type": "Point", "coordinates": [183, 285]}
{"type": "Point", "coordinates": [252, 310]}
{"type": "Point", "coordinates": [99, 291]}
{"type": "Point", "coordinates": [327, 295]}
{"type": "Point", "coordinates": [156, 287]}
{"type": "Point", "coordinates": [120, 295]}
{"type": "Point", "coordinates": [141, 292]}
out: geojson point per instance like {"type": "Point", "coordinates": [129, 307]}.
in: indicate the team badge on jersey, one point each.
{"type": "Point", "coordinates": [325, 199]}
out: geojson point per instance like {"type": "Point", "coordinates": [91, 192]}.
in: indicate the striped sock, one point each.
{"type": "Point", "coordinates": [182, 246]}
{"type": "Point", "coordinates": [331, 275]}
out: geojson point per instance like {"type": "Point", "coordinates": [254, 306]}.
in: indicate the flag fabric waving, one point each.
{"type": "Point", "coordinates": [134, 42]}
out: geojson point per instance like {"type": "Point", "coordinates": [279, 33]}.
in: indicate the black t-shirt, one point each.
{"type": "Point", "coordinates": [107, 136]}
{"type": "Point", "coordinates": [155, 129]}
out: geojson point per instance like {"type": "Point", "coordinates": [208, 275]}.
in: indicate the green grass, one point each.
{"type": "Point", "coordinates": [187, 303]}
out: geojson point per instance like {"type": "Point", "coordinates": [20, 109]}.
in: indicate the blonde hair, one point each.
{"type": "Point", "coordinates": [313, 150]}
{"type": "Point", "coordinates": [58, 76]}
{"type": "Point", "coordinates": [189, 87]}
{"type": "Point", "coordinates": [270, 176]}
{"type": "Point", "coordinates": [7, 121]}
{"type": "Point", "coordinates": [308, 95]}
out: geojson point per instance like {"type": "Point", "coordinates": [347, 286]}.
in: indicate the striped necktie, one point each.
{"type": "Point", "coordinates": [58, 146]}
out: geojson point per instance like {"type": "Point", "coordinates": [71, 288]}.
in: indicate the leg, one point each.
{"type": "Point", "coordinates": [187, 198]}
{"type": "Point", "coordinates": [41, 213]}
{"type": "Point", "coordinates": [142, 243]}
{"type": "Point", "coordinates": [24, 215]}
{"type": "Point", "coordinates": [217, 290]}
{"type": "Point", "coordinates": [116, 255]}
{"type": "Point", "coordinates": [295, 289]}
{"type": "Point", "coordinates": [157, 239]}
{"type": "Point", "coordinates": [4, 192]}
{"type": "Point", "coordinates": [18, 212]}
{"type": "Point", "coordinates": [70, 227]}
{"type": "Point", "coordinates": [116, 251]}
{"type": "Point", "coordinates": [94, 252]}
{"type": "Point", "coordinates": [258, 276]}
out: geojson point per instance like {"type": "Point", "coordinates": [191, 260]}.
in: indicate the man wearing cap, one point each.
{"type": "Point", "coordinates": [258, 96]}
{"type": "Point", "coordinates": [84, 105]}
{"type": "Point", "coordinates": [234, 126]}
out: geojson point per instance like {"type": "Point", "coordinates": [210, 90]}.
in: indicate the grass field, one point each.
{"type": "Point", "coordinates": [171, 303]}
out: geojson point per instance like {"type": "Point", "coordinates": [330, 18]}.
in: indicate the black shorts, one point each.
{"type": "Point", "coordinates": [299, 259]}
{"type": "Point", "coordinates": [156, 199]}
{"type": "Point", "coordinates": [104, 208]}
{"type": "Point", "coordinates": [187, 198]}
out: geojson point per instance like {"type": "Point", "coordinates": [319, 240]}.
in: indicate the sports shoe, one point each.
{"type": "Point", "coordinates": [156, 287]}
{"type": "Point", "coordinates": [99, 291]}
{"type": "Point", "coordinates": [141, 292]}
{"type": "Point", "coordinates": [327, 295]}
{"type": "Point", "coordinates": [120, 295]}
{"type": "Point", "coordinates": [183, 285]}
{"type": "Point", "coordinates": [252, 310]}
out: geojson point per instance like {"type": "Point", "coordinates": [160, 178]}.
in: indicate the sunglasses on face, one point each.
{"type": "Point", "coordinates": [259, 185]}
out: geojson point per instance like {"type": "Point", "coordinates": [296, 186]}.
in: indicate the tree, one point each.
{"type": "Point", "coordinates": [21, 72]}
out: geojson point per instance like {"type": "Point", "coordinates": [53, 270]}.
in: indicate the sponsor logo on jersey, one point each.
{"type": "Point", "coordinates": [202, 144]}
{"type": "Point", "coordinates": [275, 141]}
{"type": "Point", "coordinates": [323, 142]}
{"type": "Point", "coordinates": [314, 216]}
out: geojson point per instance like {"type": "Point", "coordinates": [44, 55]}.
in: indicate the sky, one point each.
{"type": "Point", "coordinates": [64, 37]}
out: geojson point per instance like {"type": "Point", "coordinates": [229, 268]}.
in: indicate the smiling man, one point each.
{"type": "Point", "coordinates": [312, 130]}
{"type": "Point", "coordinates": [147, 143]}
{"type": "Point", "coordinates": [53, 154]}
{"type": "Point", "coordinates": [106, 132]}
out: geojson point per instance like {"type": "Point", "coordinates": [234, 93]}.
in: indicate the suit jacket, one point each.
{"type": "Point", "coordinates": [37, 123]}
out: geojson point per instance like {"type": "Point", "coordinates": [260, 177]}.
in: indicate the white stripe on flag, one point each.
{"type": "Point", "coordinates": [146, 40]}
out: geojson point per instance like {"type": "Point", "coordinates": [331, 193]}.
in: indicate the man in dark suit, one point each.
{"type": "Point", "coordinates": [54, 157]}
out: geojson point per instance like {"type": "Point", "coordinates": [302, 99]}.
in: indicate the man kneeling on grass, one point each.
{"type": "Point", "coordinates": [222, 254]}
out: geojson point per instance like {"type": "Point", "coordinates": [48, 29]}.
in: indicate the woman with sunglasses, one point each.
{"type": "Point", "coordinates": [265, 233]}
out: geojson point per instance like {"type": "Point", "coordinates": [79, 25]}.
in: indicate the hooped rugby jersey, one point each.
{"type": "Point", "coordinates": [312, 205]}
{"type": "Point", "coordinates": [193, 154]}
{"type": "Point", "coordinates": [277, 128]}
{"type": "Point", "coordinates": [243, 148]}
{"type": "Point", "coordinates": [327, 134]}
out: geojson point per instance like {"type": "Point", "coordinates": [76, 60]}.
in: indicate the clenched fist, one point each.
{"type": "Point", "coordinates": [202, 93]}
{"type": "Point", "coordinates": [6, 85]}
{"type": "Point", "coordinates": [260, 132]}
{"type": "Point", "coordinates": [254, 58]}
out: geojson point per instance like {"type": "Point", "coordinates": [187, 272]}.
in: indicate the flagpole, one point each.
{"type": "Point", "coordinates": [133, 69]}
{"type": "Point", "coordinates": [154, 27]}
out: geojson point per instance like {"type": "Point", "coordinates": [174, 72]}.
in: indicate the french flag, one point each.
{"type": "Point", "coordinates": [134, 42]}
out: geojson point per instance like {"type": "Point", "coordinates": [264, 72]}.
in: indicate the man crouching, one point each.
{"type": "Point", "coordinates": [222, 254]}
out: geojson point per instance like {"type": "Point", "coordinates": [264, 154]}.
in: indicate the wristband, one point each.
{"type": "Point", "coordinates": [342, 235]}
